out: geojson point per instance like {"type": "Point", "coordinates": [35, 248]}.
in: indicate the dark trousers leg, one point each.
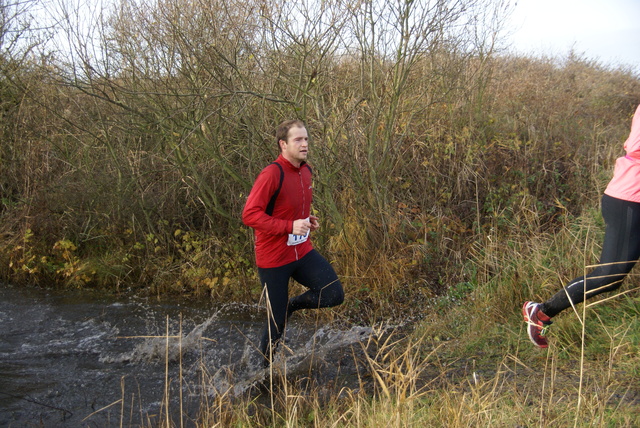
{"type": "Point", "coordinates": [275, 283]}
{"type": "Point", "coordinates": [620, 251]}
{"type": "Point", "coordinates": [312, 271]}
{"type": "Point", "coordinates": [324, 288]}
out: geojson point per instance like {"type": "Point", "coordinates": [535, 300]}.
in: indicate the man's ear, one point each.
{"type": "Point", "coordinates": [281, 142]}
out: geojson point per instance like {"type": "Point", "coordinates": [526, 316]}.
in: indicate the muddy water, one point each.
{"type": "Point", "coordinates": [80, 359]}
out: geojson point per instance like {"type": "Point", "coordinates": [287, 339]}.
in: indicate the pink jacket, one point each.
{"type": "Point", "coordinates": [625, 183]}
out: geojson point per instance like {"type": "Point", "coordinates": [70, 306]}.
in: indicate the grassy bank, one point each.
{"type": "Point", "coordinates": [470, 363]}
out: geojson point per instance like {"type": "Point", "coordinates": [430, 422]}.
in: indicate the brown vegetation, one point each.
{"type": "Point", "coordinates": [125, 163]}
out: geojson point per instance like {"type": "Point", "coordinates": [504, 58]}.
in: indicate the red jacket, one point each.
{"type": "Point", "coordinates": [293, 203]}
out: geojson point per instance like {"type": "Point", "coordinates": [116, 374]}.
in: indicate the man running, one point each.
{"type": "Point", "coordinates": [279, 210]}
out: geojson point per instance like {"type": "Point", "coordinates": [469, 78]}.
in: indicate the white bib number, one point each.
{"type": "Point", "coordinates": [297, 239]}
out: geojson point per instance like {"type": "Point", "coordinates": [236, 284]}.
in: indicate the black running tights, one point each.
{"type": "Point", "coordinates": [620, 251]}
{"type": "Point", "coordinates": [312, 271]}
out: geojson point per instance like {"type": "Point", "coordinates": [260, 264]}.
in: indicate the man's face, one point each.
{"type": "Point", "coordinates": [296, 148]}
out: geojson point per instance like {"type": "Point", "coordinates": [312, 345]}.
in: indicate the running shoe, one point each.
{"type": "Point", "coordinates": [537, 323]}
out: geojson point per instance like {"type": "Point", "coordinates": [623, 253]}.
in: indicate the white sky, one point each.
{"type": "Point", "coordinates": [604, 30]}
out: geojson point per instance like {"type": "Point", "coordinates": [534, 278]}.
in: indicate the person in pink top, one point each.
{"type": "Point", "coordinates": [620, 249]}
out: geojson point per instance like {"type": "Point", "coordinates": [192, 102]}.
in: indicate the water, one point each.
{"type": "Point", "coordinates": [80, 359]}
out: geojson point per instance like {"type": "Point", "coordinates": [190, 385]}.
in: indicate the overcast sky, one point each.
{"type": "Point", "coordinates": [606, 30]}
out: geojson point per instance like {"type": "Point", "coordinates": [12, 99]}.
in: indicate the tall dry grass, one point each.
{"type": "Point", "coordinates": [412, 381]}
{"type": "Point", "coordinates": [469, 363]}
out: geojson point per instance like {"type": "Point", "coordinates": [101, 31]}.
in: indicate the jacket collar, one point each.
{"type": "Point", "coordinates": [283, 161]}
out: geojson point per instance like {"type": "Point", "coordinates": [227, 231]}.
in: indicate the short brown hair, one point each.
{"type": "Point", "coordinates": [282, 131]}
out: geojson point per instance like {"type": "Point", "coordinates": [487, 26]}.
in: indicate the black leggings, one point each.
{"type": "Point", "coordinates": [312, 271]}
{"type": "Point", "coordinates": [620, 251]}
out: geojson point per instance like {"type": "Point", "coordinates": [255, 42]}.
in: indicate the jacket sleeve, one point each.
{"type": "Point", "coordinates": [254, 213]}
{"type": "Point", "coordinates": [632, 145]}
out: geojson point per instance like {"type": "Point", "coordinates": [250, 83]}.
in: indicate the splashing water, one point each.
{"type": "Point", "coordinates": [70, 359]}
{"type": "Point", "coordinates": [168, 347]}
{"type": "Point", "coordinates": [294, 359]}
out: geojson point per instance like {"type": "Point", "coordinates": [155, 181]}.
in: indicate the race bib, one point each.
{"type": "Point", "coordinates": [298, 239]}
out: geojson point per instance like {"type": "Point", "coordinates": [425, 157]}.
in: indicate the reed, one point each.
{"type": "Point", "coordinates": [461, 369]}
{"type": "Point", "coordinates": [471, 363]}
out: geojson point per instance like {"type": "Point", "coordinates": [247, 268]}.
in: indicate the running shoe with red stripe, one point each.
{"type": "Point", "coordinates": [537, 323]}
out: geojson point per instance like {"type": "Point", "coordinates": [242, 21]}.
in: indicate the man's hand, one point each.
{"type": "Point", "coordinates": [301, 227]}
